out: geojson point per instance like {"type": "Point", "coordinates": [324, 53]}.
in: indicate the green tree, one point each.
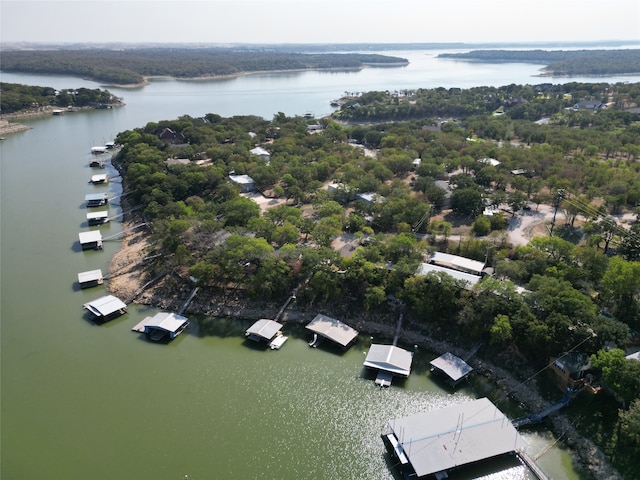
{"type": "Point", "coordinates": [501, 330]}
{"type": "Point", "coordinates": [618, 373]}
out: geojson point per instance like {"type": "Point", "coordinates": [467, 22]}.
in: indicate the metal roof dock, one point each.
{"type": "Point", "coordinates": [268, 330]}
{"type": "Point", "coordinates": [333, 329]}
{"type": "Point", "coordinates": [389, 360]}
{"type": "Point", "coordinates": [162, 325]}
{"type": "Point", "coordinates": [433, 443]}
{"type": "Point", "coordinates": [91, 240]}
{"type": "Point", "coordinates": [453, 368]}
{"type": "Point", "coordinates": [98, 218]}
{"type": "Point", "coordinates": [96, 199]}
{"type": "Point", "coordinates": [106, 307]}
{"type": "Point", "coordinates": [99, 178]}
{"type": "Point", "coordinates": [90, 278]}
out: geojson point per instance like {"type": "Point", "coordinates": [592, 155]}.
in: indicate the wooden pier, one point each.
{"type": "Point", "coordinates": [532, 465]}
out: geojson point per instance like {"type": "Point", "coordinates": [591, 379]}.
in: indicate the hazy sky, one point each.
{"type": "Point", "coordinates": [319, 21]}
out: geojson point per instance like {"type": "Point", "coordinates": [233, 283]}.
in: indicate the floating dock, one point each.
{"type": "Point", "coordinates": [452, 368]}
{"type": "Point", "coordinates": [332, 329]}
{"type": "Point", "coordinates": [90, 278]}
{"type": "Point", "coordinates": [162, 325]}
{"type": "Point", "coordinates": [432, 444]}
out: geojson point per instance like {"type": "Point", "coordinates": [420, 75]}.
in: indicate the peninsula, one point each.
{"type": "Point", "coordinates": [133, 66]}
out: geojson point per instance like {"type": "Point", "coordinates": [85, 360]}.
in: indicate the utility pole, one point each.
{"type": "Point", "coordinates": [556, 204]}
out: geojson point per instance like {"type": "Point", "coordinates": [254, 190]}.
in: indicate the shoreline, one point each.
{"type": "Point", "coordinates": [127, 272]}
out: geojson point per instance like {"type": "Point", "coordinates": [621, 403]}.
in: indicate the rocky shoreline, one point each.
{"type": "Point", "coordinates": [131, 279]}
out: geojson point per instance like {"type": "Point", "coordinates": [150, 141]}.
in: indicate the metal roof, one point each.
{"type": "Point", "coordinates": [332, 329]}
{"type": "Point", "coordinates": [457, 274]}
{"type": "Point", "coordinates": [455, 261]}
{"type": "Point", "coordinates": [264, 328]}
{"type": "Point", "coordinates": [90, 276]}
{"type": "Point", "coordinates": [241, 179]}
{"type": "Point", "coordinates": [95, 197]}
{"type": "Point", "coordinates": [90, 236]}
{"type": "Point", "coordinates": [101, 177]}
{"type": "Point", "coordinates": [97, 215]}
{"type": "Point", "coordinates": [260, 151]}
{"type": "Point", "coordinates": [170, 322]}
{"type": "Point", "coordinates": [443, 439]}
{"type": "Point", "coordinates": [454, 367]}
{"type": "Point", "coordinates": [105, 306]}
{"type": "Point", "coordinates": [389, 358]}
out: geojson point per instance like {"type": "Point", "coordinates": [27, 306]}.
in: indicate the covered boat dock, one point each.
{"type": "Point", "coordinates": [266, 330]}
{"type": "Point", "coordinates": [452, 368]}
{"type": "Point", "coordinates": [97, 218]}
{"type": "Point", "coordinates": [91, 240]}
{"type": "Point", "coordinates": [106, 307]}
{"type": "Point", "coordinates": [162, 325]}
{"type": "Point", "coordinates": [100, 178]}
{"type": "Point", "coordinates": [389, 360]}
{"type": "Point", "coordinates": [96, 199]}
{"type": "Point", "coordinates": [333, 329]}
{"type": "Point", "coordinates": [90, 278]}
{"type": "Point", "coordinates": [431, 444]}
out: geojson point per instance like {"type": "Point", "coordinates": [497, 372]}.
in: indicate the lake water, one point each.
{"type": "Point", "coordinates": [87, 401]}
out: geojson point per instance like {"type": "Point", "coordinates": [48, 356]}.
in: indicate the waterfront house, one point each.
{"type": "Point", "coordinates": [569, 370]}
{"type": "Point", "coordinates": [91, 240]}
{"type": "Point", "coordinates": [332, 329]}
{"type": "Point", "coordinates": [266, 330]}
{"type": "Point", "coordinates": [451, 367]}
{"type": "Point", "coordinates": [388, 360]}
{"type": "Point", "coordinates": [107, 307]}
{"type": "Point", "coordinates": [432, 444]}
{"type": "Point", "coordinates": [90, 278]}
{"type": "Point", "coordinates": [163, 325]}
{"type": "Point", "coordinates": [96, 199]}
{"type": "Point", "coordinates": [245, 182]}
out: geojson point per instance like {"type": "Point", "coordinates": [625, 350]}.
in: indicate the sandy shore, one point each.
{"type": "Point", "coordinates": [7, 128]}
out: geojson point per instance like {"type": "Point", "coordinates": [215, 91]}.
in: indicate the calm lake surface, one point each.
{"type": "Point", "coordinates": [86, 401]}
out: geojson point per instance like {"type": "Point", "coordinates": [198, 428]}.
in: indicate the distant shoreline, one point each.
{"type": "Point", "coordinates": [207, 78]}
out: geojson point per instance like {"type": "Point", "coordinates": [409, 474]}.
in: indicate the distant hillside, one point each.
{"type": "Point", "coordinates": [124, 67]}
{"type": "Point", "coordinates": [562, 62]}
